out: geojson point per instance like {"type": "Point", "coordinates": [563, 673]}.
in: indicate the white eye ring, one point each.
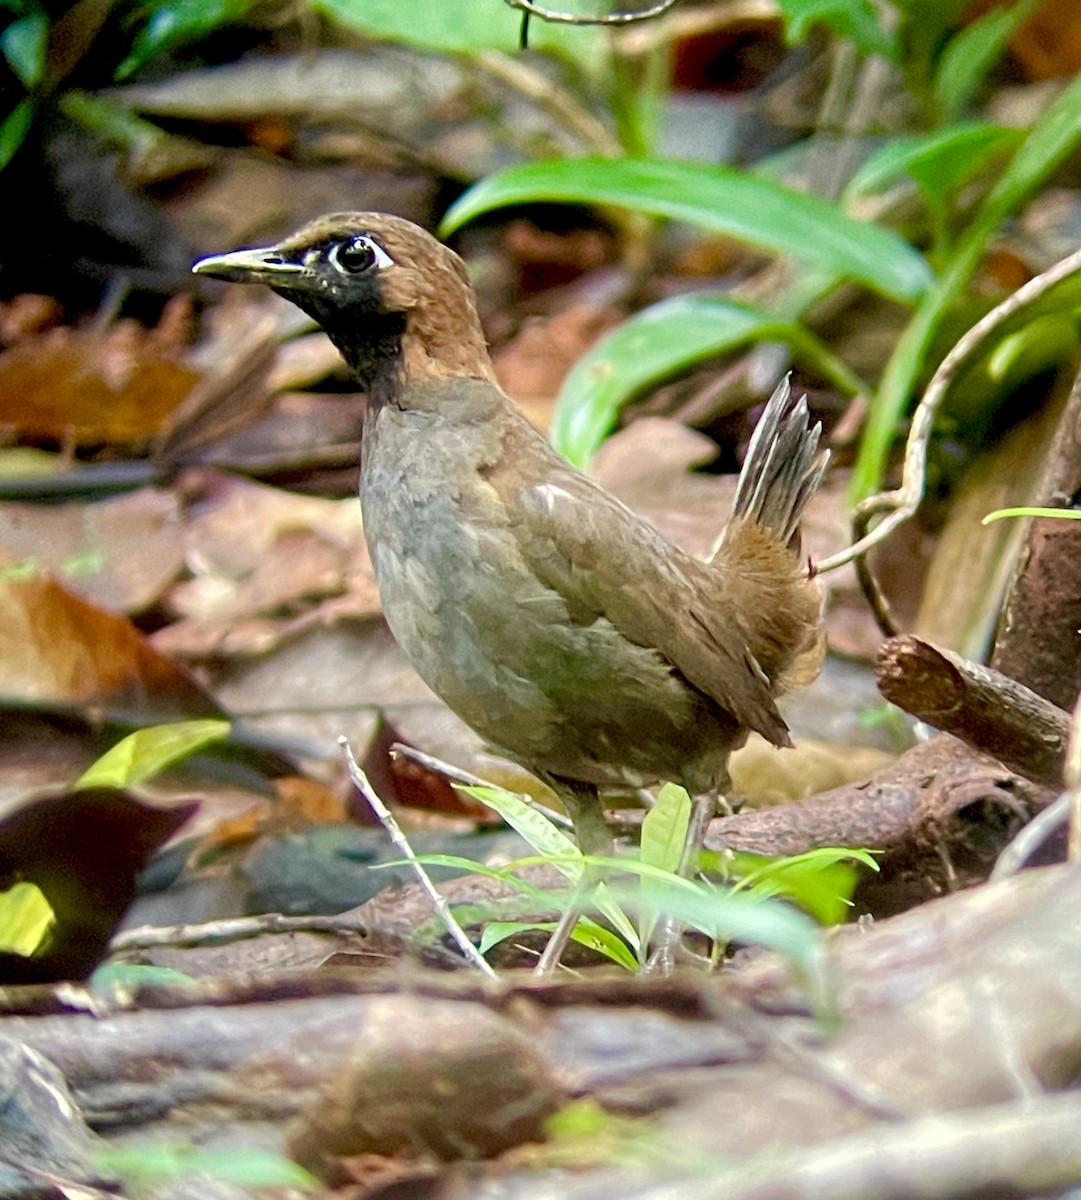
{"type": "Point", "coordinates": [361, 253]}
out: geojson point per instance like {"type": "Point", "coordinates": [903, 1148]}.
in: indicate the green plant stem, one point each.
{"type": "Point", "coordinates": [904, 366]}
{"type": "Point", "coordinates": [637, 92]}
{"type": "Point", "coordinates": [833, 368]}
{"type": "Point", "coordinates": [1053, 136]}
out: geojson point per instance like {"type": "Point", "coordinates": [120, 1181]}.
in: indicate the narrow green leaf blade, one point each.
{"type": "Point", "coordinates": [937, 161]}
{"type": "Point", "coordinates": [24, 44]}
{"type": "Point", "coordinates": [14, 128]}
{"type": "Point", "coordinates": [660, 341]}
{"type": "Point", "coordinates": [147, 751]}
{"type": "Point", "coordinates": [589, 933]}
{"type": "Point", "coordinates": [1051, 138]}
{"type": "Point", "coordinates": [857, 20]}
{"type": "Point", "coordinates": [144, 1166]}
{"type": "Point", "coordinates": [25, 918]}
{"type": "Point", "coordinates": [495, 932]}
{"type": "Point", "coordinates": [173, 22]}
{"type": "Point", "coordinates": [538, 831]}
{"type": "Point", "coordinates": [749, 207]}
{"type": "Point", "coordinates": [664, 838]}
{"type": "Point", "coordinates": [664, 828]}
{"type": "Point", "coordinates": [821, 881]}
{"type": "Point", "coordinates": [971, 53]}
{"type": "Point", "coordinates": [729, 917]}
{"type": "Point", "coordinates": [458, 27]}
{"type": "Point", "coordinates": [1054, 135]}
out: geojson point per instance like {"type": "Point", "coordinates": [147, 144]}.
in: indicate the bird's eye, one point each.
{"type": "Point", "coordinates": [358, 255]}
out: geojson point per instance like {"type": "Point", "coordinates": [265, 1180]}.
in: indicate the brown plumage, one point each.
{"type": "Point", "coordinates": [565, 629]}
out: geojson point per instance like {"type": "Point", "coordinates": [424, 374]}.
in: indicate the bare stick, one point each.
{"type": "Point", "coordinates": [1073, 785]}
{"type": "Point", "coordinates": [1044, 825]}
{"type": "Point", "coordinates": [901, 505]}
{"type": "Point", "coordinates": [1066, 810]}
{"type": "Point", "coordinates": [232, 929]}
{"type": "Point", "coordinates": [982, 707]}
{"type": "Point", "coordinates": [356, 774]}
{"type": "Point", "coordinates": [515, 72]}
{"type": "Point", "coordinates": [457, 775]}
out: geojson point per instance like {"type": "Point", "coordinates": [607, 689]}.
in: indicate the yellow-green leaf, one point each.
{"type": "Point", "coordinates": [146, 752]}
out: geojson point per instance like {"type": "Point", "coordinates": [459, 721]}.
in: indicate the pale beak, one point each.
{"type": "Point", "coordinates": [266, 265]}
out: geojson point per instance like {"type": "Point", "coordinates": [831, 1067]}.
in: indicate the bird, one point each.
{"type": "Point", "coordinates": [566, 630]}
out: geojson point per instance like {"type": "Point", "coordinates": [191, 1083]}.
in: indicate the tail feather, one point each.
{"type": "Point", "coordinates": [783, 467]}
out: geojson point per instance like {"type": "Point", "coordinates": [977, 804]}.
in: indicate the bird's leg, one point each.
{"type": "Point", "coordinates": [703, 809]}
{"type": "Point", "coordinates": [583, 805]}
{"type": "Point", "coordinates": [670, 930]}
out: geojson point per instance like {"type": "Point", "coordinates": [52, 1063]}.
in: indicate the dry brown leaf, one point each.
{"type": "Point", "coordinates": [1048, 45]}
{"type": "Point", "coordinates": [267, 564]}
{"type": "Point", "coordinates": [84, 387]}
{"type": "Point", "coordinates": [57, 648]}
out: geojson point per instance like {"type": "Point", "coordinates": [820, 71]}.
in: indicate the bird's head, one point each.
{"type": "Point", "coordinates": [394, 300]}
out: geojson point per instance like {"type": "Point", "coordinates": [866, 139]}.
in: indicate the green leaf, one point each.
{"type": "Point", "coordinates": [1046, 144]}
{"type": "Point", "coordinates": [253, 1167]}
{"type": "Point", "coordinates": [971, 53]}
{"type": "Point", "coordinates": [1040, 344]}
{"type": "Point", "coordinates": [658, 342]}
{"type": "Point", "coordinates": [114, 123]}
{"type": "Point", "coordinates": [24, 44]}
{"type": "Point", "coordinates": [120, 979]}
{"type": "Point", "coordinates": [663, 841]}
{"type": "Point", "coordinates": [498, 931]}
{"type": "Point", "coordinates": [722, 199]}
{"type": "Point", "coordinates": [456, 861]}
{"type": "Point", "coordinates": [589, 933]}
{"type": "Point", "coordinates": [142, 1167]}
{"type": "Point", "coordinates": [726, 917]}
{"type": "Point", "coordinates": [548, 840]}
{"type": "Point", "coordinates": [1001, 514]}
{"type": "Point", "coordinates": [147, 751]}
{"type": "Point", "coordinates": [856, 20]}
{"type": "Point", "coordinates": [458, 27]}
{"type": "Point", "coordinates": [938, 162]}
{"type": "Point", "coordinates": [28, 462]}
{"type": "Point", "coordinates": [173, 22]}
{"type": "Point", "coordinates": [586, 933]}
{"type": "Point", "coordinates": [25, 919]}
{"type": "Point", "coordinates": [613, 913]}
{"type": "Point", "coordinates": [820, 881]}
{"type": "Point", "coordinates": [664, 828]}
{"type": "Point", "coordinates": [15, 127]}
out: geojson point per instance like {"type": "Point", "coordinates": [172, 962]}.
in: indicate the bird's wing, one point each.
{"type": "Point", "coordinates": [604, 560]}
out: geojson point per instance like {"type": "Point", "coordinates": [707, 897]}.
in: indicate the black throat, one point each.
{"type": "Point", "coordinates": [367, 337]}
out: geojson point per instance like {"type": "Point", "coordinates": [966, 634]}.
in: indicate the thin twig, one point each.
{"type": "Point", "coordinates": [1040, 829]}
{"type": "Point", "coordinates": [1066, 810]}
{"type": "Point", "coordinates": [555, 101]}
{"type": "Point", "coordinates": [869, 585]}
{"type": "Point", "coordinates": [457, 775]}
{"type": "Point", "coordinates": [232, 929]}
{"type": "Point", "coordinates": [356, 774]}
{"type": "Point", "coordinates": [901, 505]}
{"type": "Point", "coordinates": [1072, 774]}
